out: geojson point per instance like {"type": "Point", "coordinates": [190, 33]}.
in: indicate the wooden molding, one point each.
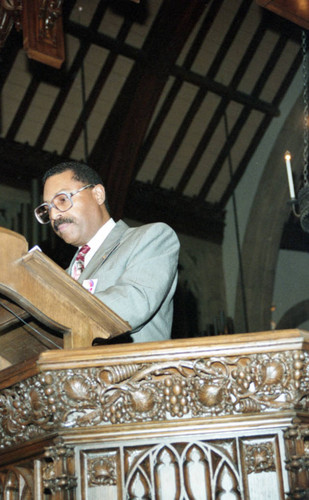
{"type": "Point", "coordinates": [43, 34]}
{"type": "Point", "coordinates": [41, 24]}
{"type": "Point", "coordinates": [296, 11]}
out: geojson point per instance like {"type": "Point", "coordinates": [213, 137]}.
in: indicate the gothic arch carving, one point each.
{"type": "Point", "coordinates": [17, 482]}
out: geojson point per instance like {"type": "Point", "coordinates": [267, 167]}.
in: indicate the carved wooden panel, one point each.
{"type": "Point", "coordinates": [43, 32]}
{"type": "Point", "coordinates": [199, 469]}
{"type": "Point", "coordinates": [258, 383]}
{"type": "Point", "coordinates": [297, 439]}
{"type": "Point", "coordinates": [41, 23]}
{"type": "Point", "coordinates": [17, 483]}
{"type": "Point", "coordinates": [197, 419]}
{"type": "Point", "coordinates": [57, 471]}
{"type": "Point", "coordinates": [209, 465]}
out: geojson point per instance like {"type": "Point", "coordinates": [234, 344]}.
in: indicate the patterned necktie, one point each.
{"type": "Point", "coordinates": [79, 263]}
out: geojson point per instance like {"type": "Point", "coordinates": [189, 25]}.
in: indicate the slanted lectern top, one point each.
{"type": "Point", "coordinates": [38, 296]}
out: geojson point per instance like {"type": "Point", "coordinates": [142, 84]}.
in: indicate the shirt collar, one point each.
{"type": "Point", "coordinates": [97, 240]}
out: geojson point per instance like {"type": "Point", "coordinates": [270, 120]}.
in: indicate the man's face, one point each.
{"type": "Point", "coordinates": [77, 225]}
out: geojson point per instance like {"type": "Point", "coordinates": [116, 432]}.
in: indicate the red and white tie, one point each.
{"type": "Point", "coordinates": [79, 263]}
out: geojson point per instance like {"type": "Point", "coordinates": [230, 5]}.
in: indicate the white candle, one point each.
{"type": "Point", "coordinates": [287, 157]}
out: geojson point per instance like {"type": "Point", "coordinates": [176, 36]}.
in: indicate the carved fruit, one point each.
{"type": "Point", "coordinates": [272, 373]}
{"type": "Point", "coordinates": [210, 395]}
{"type": "Point", "coordinates": [143, 400]}
{"type": "Point", "coordinates": [36, 401]}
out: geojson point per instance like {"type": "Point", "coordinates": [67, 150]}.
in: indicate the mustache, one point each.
{"type": "Point", "coordinates": [63, 220]}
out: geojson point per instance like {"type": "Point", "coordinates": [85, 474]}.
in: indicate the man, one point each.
{"type": "Point", "coordinates": [132, 270]}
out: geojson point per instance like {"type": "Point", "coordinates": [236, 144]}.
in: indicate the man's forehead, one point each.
{"type": "Point", "coordinates": [60, 182]}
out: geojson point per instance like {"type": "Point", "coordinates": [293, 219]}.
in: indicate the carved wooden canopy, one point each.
{"type": "Point", "coordinates": [41, 24]}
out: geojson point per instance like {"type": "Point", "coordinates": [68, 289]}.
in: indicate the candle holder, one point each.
{"type": "Point", "coordinates": [294, 202]}
{"type": "Point", "coordinates": [302, 203]}
{"type": "Point", "coordinates": [302, 199]}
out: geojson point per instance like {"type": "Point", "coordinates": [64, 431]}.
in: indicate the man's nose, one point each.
{"type": "Point", "coordinates": [54, 213]}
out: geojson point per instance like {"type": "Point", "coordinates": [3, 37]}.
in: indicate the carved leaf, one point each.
{"type": "Point", "coordinates": [76, 388]}
{"type": "Point", "coordinates": [272, 373]}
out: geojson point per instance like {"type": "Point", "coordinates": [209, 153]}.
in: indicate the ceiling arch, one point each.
{"type": "Point", "coordinates": [269, 213]}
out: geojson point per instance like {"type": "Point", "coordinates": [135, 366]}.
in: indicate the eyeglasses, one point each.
{"type": "Point", "coordinates": [61, 201]}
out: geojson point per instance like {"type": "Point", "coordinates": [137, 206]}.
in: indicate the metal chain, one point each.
{"type": "Point", "coordinates": [306, 104]}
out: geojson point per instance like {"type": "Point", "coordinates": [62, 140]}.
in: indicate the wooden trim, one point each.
{"type": "Point", "coordinates": [296, 11]}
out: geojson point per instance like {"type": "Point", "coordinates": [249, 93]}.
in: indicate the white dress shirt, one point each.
{"type": "Point", "coordinates": [97, 240]}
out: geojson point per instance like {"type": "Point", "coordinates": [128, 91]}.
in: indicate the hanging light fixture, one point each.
{"type": "Point", "coordinates": [302, 199]}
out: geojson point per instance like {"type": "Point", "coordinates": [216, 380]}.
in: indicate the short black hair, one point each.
{"type": "Point", "coordinates": [81, 172]}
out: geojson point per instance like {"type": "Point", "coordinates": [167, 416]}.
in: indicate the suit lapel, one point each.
{"type": "Point", "coordinates": [108, 246]}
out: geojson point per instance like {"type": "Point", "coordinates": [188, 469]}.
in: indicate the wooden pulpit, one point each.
{"type": "Point", "coordinates": [42, 307]}
{"type": "Point", "coordinates": [223, 417]}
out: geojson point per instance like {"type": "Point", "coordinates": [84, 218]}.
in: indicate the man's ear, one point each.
{"type": "Point", "coordinates": [99, 193]}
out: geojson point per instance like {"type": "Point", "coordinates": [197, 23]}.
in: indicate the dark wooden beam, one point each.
{"type": "Point", "coordinates": [20, 163]}
{"type": "Point", "coordinates": [243, 117]}
{"type": "Point", "coordinates": [221, 108]}
{"type": "Point", "coordinates": [105, 71]}
{"type": "Point", "coordinates": [178, 82]}
{"type": "Point", "coordinates": [70, 77]}
{"type": "Point", "coordinates": [147, 203]}
{"type": "Point", "coordinates": [228, 91]}
{"type": "Point", "coordinates": [116, 149]}
{"type": "Point", "coordinates": [84, 33]}
{"type": "Point", "coordinates": [181, 73]}
{"type": "Point", "coordinates": [23, 107]}
{"type": "Point", "coordinates": [7, 56]}
{"type": "Point", "coordinates": [241, 167]}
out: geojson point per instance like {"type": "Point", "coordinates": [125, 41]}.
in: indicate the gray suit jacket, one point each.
{"type": "Point", "coordinates": [136, 269]}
